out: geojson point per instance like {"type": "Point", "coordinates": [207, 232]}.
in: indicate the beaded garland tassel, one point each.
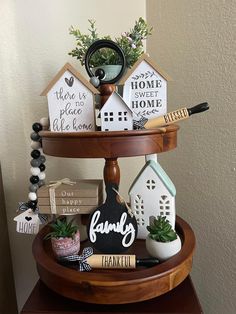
{"type": "Point", "coordinates": [37, 163]}
{"type": "Point", "coordinates": [37, 168]}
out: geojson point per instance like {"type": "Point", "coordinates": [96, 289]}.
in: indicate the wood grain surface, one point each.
{"type": "Point", "coordinates": [116, 286]}
{"type": "Point", "coordinates": [111, 144]}
{"type": "Point", "coordinates": [183, 299]}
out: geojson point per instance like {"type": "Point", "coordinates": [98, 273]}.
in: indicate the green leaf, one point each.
{"type": "Point", "coordinates": [138, 34]}
{"type": "Point", "coordinates": [161, 230]}
{"type": "Point", "coordinates": [61, 228]}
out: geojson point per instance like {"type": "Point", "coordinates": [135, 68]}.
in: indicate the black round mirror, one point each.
{"type": "Point", "coordinates": [105, 60]}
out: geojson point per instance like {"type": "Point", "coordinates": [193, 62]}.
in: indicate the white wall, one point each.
{"type": "Point", "coordinates": [34, 45]}
{"type": "Point", "coordinates": [194, 42]}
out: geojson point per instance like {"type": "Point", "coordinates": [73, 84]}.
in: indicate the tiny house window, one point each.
{"type": "Point", "coordinates": [164, 204]}
{"type": "Point", "coordinates": [140, 221]}
{"type": "Point", "coordinates": [122, 116]}
{"type": "Point", "coordinates": [150, 184]}
{"type": "Point", "coordinates": [138, 203]}
{"type": "Point", "coordinates": [139, 210]}
{"type": "Point", "coordinates": [108, 116]}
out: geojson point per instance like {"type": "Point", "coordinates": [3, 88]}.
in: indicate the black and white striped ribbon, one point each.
{"type": "Point", "coordinates": [81, 259]}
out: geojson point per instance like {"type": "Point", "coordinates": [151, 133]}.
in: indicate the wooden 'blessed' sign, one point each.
{"type": "Point", "coordinates": [145, 89]}
{"type": "Point", "coordinates": [70, 102]}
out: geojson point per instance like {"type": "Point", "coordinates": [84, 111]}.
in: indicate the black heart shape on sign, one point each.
{"type": "Point", "coordinates": [28, 218]}
{"type": "Point", "coordinates": [70, 81]}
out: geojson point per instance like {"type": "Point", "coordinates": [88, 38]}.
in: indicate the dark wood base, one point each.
{"type": "Point", "coordinates": [182, 299]}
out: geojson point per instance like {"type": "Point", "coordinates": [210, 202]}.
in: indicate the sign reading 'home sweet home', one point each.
{"type": "Point", "coordinates": [145, 89]}
{"type": "Point", "coordinates": [70, 102]}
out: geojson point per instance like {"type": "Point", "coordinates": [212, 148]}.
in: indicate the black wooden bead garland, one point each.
{"type": "Point", "coordinates": [37, 166]}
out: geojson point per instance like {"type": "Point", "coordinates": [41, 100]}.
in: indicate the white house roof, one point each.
{"type": "Point", "coordinates": [72, 70]}
{"type": "Point", "coordinates": [147, 59]}
{"type": "Point", "coordinates": [110, 101]}
{"type": "Point", "coordinates": [159, 171]}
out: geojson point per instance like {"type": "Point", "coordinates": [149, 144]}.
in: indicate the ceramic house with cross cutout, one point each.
{"type": "Point", "coordinates": [145, 88]}
{"type": "Point", "coordinates": [70, 101]}
{"type": "Point", "coordinates": [152, 194]}
{"type": "Point", "coordinates": [116, 115]}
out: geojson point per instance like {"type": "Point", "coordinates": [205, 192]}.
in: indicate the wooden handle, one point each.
{"type": "Point", "coordinates": [176, 116]}
{"type": "Point", "coordinates": [167, 119]}
{"type": "Point", "coordinates": [111, 171]}
{"type": "Point", "coordinates": [105, 92]}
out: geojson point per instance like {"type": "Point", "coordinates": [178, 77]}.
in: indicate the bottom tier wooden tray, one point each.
{"type": "Point", "coordinates": [116, 286]}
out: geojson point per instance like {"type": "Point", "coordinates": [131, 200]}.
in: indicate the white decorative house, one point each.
{"type": "Point", "coordinates": [145, 88]}
{"type": "Point", "coordinates": [27, 222]}
{"type": "Point", "coordinates": [152, 194]}
{"type": "Point", "coordinates": [70, 102]}
{"type": "Point", "coordinates": [116, 115]}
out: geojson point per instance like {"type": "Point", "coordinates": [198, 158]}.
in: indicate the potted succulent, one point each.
{"type": "Point", "coordinates": [162, 241]}
{"type": "Point", "coordinates": [131, 43]}
{"type": "Point", "coordinates": [65, 237]}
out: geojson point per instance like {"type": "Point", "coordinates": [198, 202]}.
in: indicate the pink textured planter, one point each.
{"type": "Point", "coordinates": [66, 246]}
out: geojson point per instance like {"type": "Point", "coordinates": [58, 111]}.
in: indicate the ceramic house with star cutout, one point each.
{"type": "Point", "coordinates": [152, 194]}
{"type": "Point", "coordinates": [116, 115]}
{"type": "Point", "coordinates": [70, 101]}
{"type": "Point", "coordinates": [145, 88]}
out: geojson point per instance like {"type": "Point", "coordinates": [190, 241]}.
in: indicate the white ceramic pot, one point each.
{"type": "Point", "coordinates": [163, 250]}
{"type": "Point", "coordinates": [66, 246]}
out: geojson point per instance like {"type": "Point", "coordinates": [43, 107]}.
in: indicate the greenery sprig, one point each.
{"type": "Point", "coordinates": [62, 229]}
{"type": "Point", "coordinates": [131, 42]}
{"type": "Point", "coordinates": [160, 230]}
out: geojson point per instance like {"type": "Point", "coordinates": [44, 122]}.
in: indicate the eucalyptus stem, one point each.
{"type": "Point", "coordinates": [131, 42]}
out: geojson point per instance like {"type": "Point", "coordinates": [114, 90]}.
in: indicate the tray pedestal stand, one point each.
{"type": "Point", "coordinates": [113, 286]}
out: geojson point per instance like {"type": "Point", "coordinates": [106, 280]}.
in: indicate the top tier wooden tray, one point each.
{"type": "Point", "coordinates": [109, 144]}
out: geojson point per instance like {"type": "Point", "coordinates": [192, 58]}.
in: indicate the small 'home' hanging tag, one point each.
{"type": "Point", "coordinates": [28, 222]}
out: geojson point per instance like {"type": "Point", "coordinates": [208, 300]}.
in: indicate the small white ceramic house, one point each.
{"type": "Point", "coordinates": [152, 194]}
{"type": "Point", "coordinates": [145, 88]}
{"type": "Point", "coordinates": [116, 115]}
{"type": "Point", "coordinates": [70, 102]}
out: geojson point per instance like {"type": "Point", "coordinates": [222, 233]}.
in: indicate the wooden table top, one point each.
{"type": "Point", "coordinates": [182, 299]}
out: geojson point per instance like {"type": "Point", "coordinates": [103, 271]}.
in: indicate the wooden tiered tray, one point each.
{"type": "Point", "coordinates": [109, 144]}
{"type": "Point", "coordinates": [116, 286]}
{"type": "Point", "coordinates": [113, 286]}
